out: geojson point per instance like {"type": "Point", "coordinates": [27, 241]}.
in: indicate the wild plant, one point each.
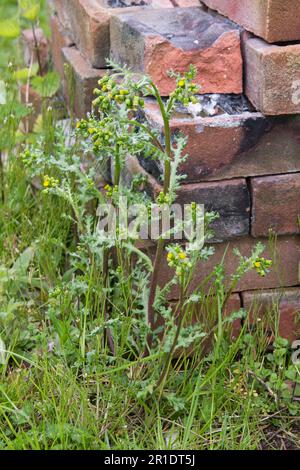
{"type": "Point", "coordinates": [77, 321]}
{"type": "Point", "coordinates": [130, 297]}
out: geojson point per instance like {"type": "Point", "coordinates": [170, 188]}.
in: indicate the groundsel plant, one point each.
{"type": "Point", "coordinates": [122, 300]}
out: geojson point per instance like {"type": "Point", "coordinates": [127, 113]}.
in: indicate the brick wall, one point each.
{"type": "Point", "coordinates": [244, 147]}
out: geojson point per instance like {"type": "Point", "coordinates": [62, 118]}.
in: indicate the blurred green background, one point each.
{"type": "Point", "coordinates": [10, 50]}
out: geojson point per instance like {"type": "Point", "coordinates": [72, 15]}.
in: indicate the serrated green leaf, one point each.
{"type": "Point", "coordinates": [10, 29]}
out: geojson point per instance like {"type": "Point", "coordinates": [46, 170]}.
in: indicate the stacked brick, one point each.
{"type": "Point", "coordinates": [244, 137]}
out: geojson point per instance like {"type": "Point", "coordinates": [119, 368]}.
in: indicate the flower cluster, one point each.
{"type": "Point", "coordinates": [110, 92]}
{"type": "Point", "coordinates": [50, 182]}
{"type": "Point", "coordinates": [111, 191]}
{"type": "Point", "coordinates": [27, 157]}
{"type": "Point", "coordinates": [90, 183]}
{"type": "Point", "coordinates": [103, 134]}
{"type": "Point", "coordinates": [163, 198]}
{"type": "Point", "coordinates": [185, 89]}
{"type": "Point", "coordinates": [177, 258]}
{"type": "Point", "coordinates": [262, 266]}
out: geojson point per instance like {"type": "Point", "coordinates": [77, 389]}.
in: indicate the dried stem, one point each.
{"type": "Point", "coordinates": [37, 49]}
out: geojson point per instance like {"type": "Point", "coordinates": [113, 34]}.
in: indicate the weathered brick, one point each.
{"type": "Point", "coordinates": [229, 198]}
{"type": "Point", "coordinates": [273, 20]}
{"type": "Point", "coordinates": [155, 43]}
{"type": "Point", "coordinates": [266, 305]}
{"type": "Point", "coordinates": [61, 9]}
{"type": "Point", "coordinates": [60, 38]}
{"type": "Point", "coordinates": [234, 305]}
{"type": "Point", "coordinates": [283, 273]}
{"type": "Point", "coordinates": [131, 170]}
{"type": "Point", "coordinates": [233, 143]}
{"type": "Point", "coordinates": [275, 204]}
{"type": "Point", "coordinates": [184, 3]}
{"type": "Point", "coordinates": [90, 24]}
{"type": "Point", "coordinates": [79, 81]}
{"type": "Point", "coordinates": [272, 76]}
{"type": "Point", "coordinates": [30, 48]}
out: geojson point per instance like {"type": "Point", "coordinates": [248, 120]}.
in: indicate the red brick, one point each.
{"type": "Point", "coordinates": [283, 273]}
{"type": "Point", "coordinates": [61, 9]}
{"type": "Point", "coordinates": [276, 204]}
{"type": "Point", "coordinates": [272, 76]}
{"type": "Point", "coordinates": [84, 80]}
{"type": "Point", "coordinates": [273, 20]}
{"type": "Point", "coordinates": [229, 198]}
{"type": "Point", "coordinates": [266, 305]}
{"type": "Point", "coordinates": [90, 23]}
{"type": "Point", "coordinates": [155, 43]}
{"type": "Point", "coordinates": [30, 53]}
{"type": "Point", "coordinates": [234, 305]}
{"type": "Point", "coordinates": [240, 144]}
{"type": "Point", "coordinates": [60, 38]}
{"type": "Point", "coordinates": [185, 3]}
{"type": "Point", "coordinates": [90, 26]}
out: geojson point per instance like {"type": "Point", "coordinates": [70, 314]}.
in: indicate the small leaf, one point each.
{"type": "Point", "coordinates": [46, 86]}
{"type": "Point", "coordinates": [9, 29]}
{"type": "Point", "coordinates": [23, 261]}
{"type": "Point", "coordinates": [19, 110]}
{"type": "Point", "coordinates": [25, 73]}
{"type": "Point", "coordinates": [32, 13]}
{"type": "Point", "coordinates": [30, 9]}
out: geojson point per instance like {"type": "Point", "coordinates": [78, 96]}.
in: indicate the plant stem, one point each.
{"type": "Point", "coordinates": [106, 254]}
{"type": "Point", "coordinates": [37, 50]}
{"type": "Point", "coordinates": [153, 286]}
{"type": "Point", "coordinates": [117, 167]}
{"type": "Point", "coordinates": [161, 242]}
{"type": "Point", "coordinates": [2, 178]}
{"type": "Point", "coordinates": [153, 137]}
{"type": "Point", "coordinates": [164, 373]}
{"type": "Point", "coordinates": [167, 133]}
